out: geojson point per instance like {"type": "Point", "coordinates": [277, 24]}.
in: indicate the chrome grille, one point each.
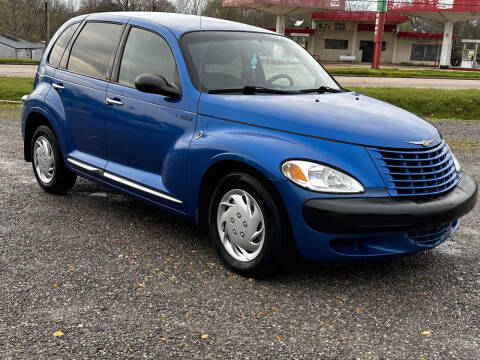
{"type": "Point", "coordinates": [415, 172]}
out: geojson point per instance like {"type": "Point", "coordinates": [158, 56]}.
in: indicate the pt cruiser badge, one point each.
{"type": "Point", "coordinates": [421, 142]}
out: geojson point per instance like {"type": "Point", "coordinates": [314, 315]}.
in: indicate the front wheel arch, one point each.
{"type": "Point", "coordinates": [222, 168]}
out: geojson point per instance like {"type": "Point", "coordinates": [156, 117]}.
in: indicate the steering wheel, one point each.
{"type": "Point", "coordinates": [280, 76]}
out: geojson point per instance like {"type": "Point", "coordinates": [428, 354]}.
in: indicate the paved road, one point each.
{"type": "Point", "coordinates": [29, 71]}
{"type": "Point", "coordinates": [18, 70]}
{"type": "Point", "coordinates": [122, 279]}
{"type": "Point", "coordinates": [347, 81]}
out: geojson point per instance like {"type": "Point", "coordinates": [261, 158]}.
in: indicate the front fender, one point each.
{"type": "Point", "coordinates": [266, 149]}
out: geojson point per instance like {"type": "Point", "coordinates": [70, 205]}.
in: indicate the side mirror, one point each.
{"type": "Point", "coordinates": [156, 84]}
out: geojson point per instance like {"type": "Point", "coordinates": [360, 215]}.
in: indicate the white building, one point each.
{"type": "Point", "coordinates": [336, 34]}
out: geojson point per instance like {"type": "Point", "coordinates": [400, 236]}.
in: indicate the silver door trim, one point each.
{"type": "Point", "coordinates": [140, 187]}
{"type": "Point", "coordinates": [122, 180]}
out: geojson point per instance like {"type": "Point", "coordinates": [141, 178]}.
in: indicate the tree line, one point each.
{"type": "Point", "coordinates": [25, 18]}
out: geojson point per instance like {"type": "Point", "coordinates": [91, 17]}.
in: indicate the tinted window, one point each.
{"type": "Point", "coordinates": [60, 45]}
{"type": "Point", "coordinates": [146, 53]}
{"type": "Point", "coordinates": [93, 49]}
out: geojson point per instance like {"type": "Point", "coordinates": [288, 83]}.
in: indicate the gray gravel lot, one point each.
{"type": "Point", "coordinates": [122, 279]}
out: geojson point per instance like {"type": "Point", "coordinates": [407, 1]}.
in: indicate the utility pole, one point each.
{"type": "Point", "coordinates": [47, 25]}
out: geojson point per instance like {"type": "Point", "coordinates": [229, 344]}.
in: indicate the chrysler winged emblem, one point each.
{"type": "Point", "coordinates": [423, 142]}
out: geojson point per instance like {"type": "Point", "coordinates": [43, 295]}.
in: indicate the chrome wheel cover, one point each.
{"type": "Point", "coordinates": [241, 225]}
{"type": "Point", "coordinates": [44, 160]}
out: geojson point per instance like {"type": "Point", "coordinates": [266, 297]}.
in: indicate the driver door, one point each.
{"type": "Point", "coordinates": [147, 135]}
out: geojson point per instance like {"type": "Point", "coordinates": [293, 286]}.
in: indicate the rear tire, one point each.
{"type": "Point", "coordinates": [47, 162]}
{"type": "Point", "coordinates": [246, 226]}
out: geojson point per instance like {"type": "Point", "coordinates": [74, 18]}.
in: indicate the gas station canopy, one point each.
{"type": "Point", "coordinates": [287, 7]}
{"type": "Point", "coordinates": [440, 10]}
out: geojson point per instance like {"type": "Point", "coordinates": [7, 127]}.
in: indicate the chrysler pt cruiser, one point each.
{"type": "Point", "coordinates": [242, 131]}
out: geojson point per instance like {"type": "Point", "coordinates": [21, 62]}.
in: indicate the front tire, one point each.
{"type": "Point", "coordinates": [247, 226]}
{"type": "Point", "coordinates": [47, 162]}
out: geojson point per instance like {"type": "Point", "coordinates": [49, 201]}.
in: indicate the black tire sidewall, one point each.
{"type": "Point", "coordinates": [57, 183]}
{"type": "Point", "coordinates": [273, 249]}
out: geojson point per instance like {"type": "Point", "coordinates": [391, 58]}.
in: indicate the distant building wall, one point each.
{"type": "Point", "coordinates": [7, 52]}
{"type": "Point", "coordinates": [11, 53]}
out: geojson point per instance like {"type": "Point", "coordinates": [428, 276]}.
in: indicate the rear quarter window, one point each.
{"type": "Point", "coordinates": [62, 41]}
{"type": "Point", "coordinates": [93, 49]}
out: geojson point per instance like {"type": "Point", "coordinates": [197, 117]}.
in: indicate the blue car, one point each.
{"type": "Point", "coordinates": [241, 130]}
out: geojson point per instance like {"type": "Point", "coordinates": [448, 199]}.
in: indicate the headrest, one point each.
{"type": "Point", "coordinates": [219, 53]}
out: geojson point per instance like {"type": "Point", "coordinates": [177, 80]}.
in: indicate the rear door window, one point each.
{"type": "Point", "coordinates": [60, 45]}
{"type": "Point", "coordinates": [146, 53]}
{"type": "Point", "coordinates": [93, 49]}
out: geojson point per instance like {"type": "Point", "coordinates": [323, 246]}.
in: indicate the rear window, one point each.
{"type": "Point", "coordinates": [93, 49]}
{"type": "Point", "coordinates": [60, 45]}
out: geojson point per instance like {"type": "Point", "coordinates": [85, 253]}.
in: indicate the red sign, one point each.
{"type": "Point", "coordinates": [314, 4]}
{"type": "Point", "coordinates": [435, 5]}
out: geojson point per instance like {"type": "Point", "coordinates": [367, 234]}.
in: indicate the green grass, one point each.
{"type": "Point", "coordinates": [18, 61]}
{"type": "Point", "coordinates": [13, 88]}
{"type": "Point", "coordinates": [398, 73]}
{"type": "Point", "coordinates": [10, 111]}
{"type": "Point", "coordinates": [430, 103]}
{"type": "Point", "coordinates": [464, 144]}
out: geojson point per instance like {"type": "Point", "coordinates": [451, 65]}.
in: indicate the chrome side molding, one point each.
{"type": "Point", "coordinates": [85, 166]}
{"type": "Point", "coordinates": [122, 180]}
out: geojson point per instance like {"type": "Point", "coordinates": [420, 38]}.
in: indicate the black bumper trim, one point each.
{"type": "Point", "coordinates": [354, 215]}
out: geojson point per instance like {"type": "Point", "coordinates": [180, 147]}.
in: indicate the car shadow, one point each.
{"type": "Point", "coordinates": [157, 221]}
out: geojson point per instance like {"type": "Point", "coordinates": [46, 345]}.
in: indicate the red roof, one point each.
{"type": "Point", "coordinates": [358, 16]}
{"type": "Point", "coordinates": [422, 35]}
{"type": "Point", "coordinates": [295, 31]}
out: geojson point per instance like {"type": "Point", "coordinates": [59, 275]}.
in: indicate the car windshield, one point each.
{"type": "Point", "coordinates": [226, 60]}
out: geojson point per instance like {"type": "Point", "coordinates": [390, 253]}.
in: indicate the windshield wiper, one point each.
{"type": "Point", "coordinates": [321, 90]}
{"type": "Point", "coordinates": [250, 90]}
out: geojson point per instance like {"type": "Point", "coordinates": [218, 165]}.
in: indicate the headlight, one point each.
{"type": "Point", "coordinates": [319, 177]}
{"type": "Point", "coordinates": [458, 167]}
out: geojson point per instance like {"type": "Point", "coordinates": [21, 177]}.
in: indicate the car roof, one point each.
{"type": "Point", "coordinates": [179, 24]}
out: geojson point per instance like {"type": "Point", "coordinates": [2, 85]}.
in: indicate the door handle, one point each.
{"type": "Point", "coordinates": [109, 101]}
{"type": "Point", "coordinates": [58, 86]}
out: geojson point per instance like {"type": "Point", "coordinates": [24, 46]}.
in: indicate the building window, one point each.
{"type": "Point", "coordinates": [340, 26]}
{"type": "Point", "coordinates": [336, 44]}
{"type": "Point", "coordinates": [425, 52]}
{"type": "Point", "coordinates": [323, 26]}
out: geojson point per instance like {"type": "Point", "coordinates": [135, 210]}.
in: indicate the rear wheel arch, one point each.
{"type": "Point", "coordinates": [33, 121]}
{"type": "Point", "coordinates": [222, 168]}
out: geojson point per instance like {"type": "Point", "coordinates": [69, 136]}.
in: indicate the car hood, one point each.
{"type": "Point", "coordinates": [346, 117]}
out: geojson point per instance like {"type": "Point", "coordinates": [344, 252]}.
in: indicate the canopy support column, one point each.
{"type": "Point", "coordinates": [280, 28]}
{"type": "Point", "coordinates": [446, 46]}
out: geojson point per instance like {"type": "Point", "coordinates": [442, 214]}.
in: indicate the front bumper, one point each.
{"type": "Point", "coordinates": [366, 215]}
{"type": "Point", "coordinates": [348, 229]}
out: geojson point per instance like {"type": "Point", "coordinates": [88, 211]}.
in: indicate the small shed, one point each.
{"type": "Point", "coordinates": [13, 47]}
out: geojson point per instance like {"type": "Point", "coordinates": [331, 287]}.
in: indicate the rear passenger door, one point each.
{"type": "Point", "coordinates": [81, 84]}
{"type": "Point", "coordinates": [148, 135]}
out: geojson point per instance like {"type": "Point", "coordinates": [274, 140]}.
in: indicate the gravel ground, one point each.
{"type": "Point", "coordinates": [121, 279]}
